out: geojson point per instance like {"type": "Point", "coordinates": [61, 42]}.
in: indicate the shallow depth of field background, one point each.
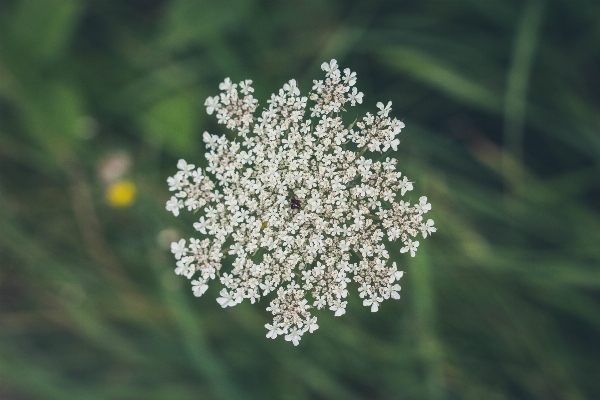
{"type": "Point", "coordinates": [501, 100]}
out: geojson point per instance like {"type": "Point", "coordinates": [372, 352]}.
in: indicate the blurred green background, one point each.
{"type": "Point", "coordinates": [501, 100]}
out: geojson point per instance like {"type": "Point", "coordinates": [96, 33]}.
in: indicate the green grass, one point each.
{"type": "Point", "coordinates": [502, 107]}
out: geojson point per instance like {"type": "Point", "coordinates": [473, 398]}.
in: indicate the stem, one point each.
{"type": "Point", "coordinates": [362, 151]}
{"type": "Point", "coordinates": [225, 250]}
{"type": "Point", "coordinates": [357, 255]}
{"type": "Point", "coordinates": [352, 124]}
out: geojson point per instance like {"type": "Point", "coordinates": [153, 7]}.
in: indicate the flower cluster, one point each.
{"type": "Point", "coordinates": [294, 204]}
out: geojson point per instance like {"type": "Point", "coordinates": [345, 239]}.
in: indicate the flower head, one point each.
{"type": "Point", "coordinates": [295, 205]}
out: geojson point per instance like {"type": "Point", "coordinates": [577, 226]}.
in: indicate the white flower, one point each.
{"type": "Point", "coordinates": [226, 299]}
{"type": "Point", "coordinates": [179, 249]}
{"type": "Point", "coordinates": [410, 246]}
{"type": "Point", "coordinates": [185, 167]}
{"type": "Point", "coordinates": [384, 111]}
{"type": "Point", "coordinates": [373, 302]}
{"type": "Point", "coordinates": [291, 88]}
{"type": "Point", "coordinates": [318, 86]}
{"type": "Point", "coordinates": [296, 203]}
{"type": "Point", "coordinates": [396, 126]}
{"type": "Point", "coordinates": [174, 205]}
{"type": "Point", "coordinates": [181, 268]}
{"type": "Point", "coordinates": [201, 225]}
{"type": "Point", "coordinates": [210, 140]}
{"type": "Point", "coordinates": [274, 330]}
{"type": "Point", "coordinates": [390, 142]}
{"type": "Point", "coordinates": [245, 87]}
{"type": "Point", "coordinates": [226, 85]}
{"type": "Point", "coordinates": [339, 307]}
{"type": "Point", "coordinates": [330, 67]}
{"type": "Point", "coordinates": [236, 249]}
{"type": "Point", "coordinates": [175, 183]}
{"type": "Point", "coordinates": [349, 77]}
{"type": "Point", "coordinates": [212, 104]}
{"type": "Point", "coordinates": [395, 274]}
{"type": "Point", "coordinates": [428, 228]}
{"type": "Point", "coordinates": [199, 288]}
{"type": "Point", "coordinates": [355, 97]}
{"type": "Point", "coordinates": [394, 292]}
{"type": "Point", "coordinates": [405, 186]}
{"type": "Point", "coordinates": [423, 206]}
{"type": "Point", "coordinates": [293, 336]}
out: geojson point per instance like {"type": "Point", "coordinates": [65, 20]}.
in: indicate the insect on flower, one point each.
{"type": "Point", "coordinates": [348, 202]}
{"type": "Point", "coordinates": [295, 203]}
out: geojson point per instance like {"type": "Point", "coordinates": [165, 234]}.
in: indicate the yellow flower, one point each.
{"type": "Point", "coordinates": [120, 193]}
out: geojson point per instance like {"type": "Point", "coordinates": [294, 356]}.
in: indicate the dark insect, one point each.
{"type": "Point", "coordinates": [295, 203]}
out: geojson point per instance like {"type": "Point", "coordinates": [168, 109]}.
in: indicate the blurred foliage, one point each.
{"type": "Point", "coordinates": [501, 100]}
